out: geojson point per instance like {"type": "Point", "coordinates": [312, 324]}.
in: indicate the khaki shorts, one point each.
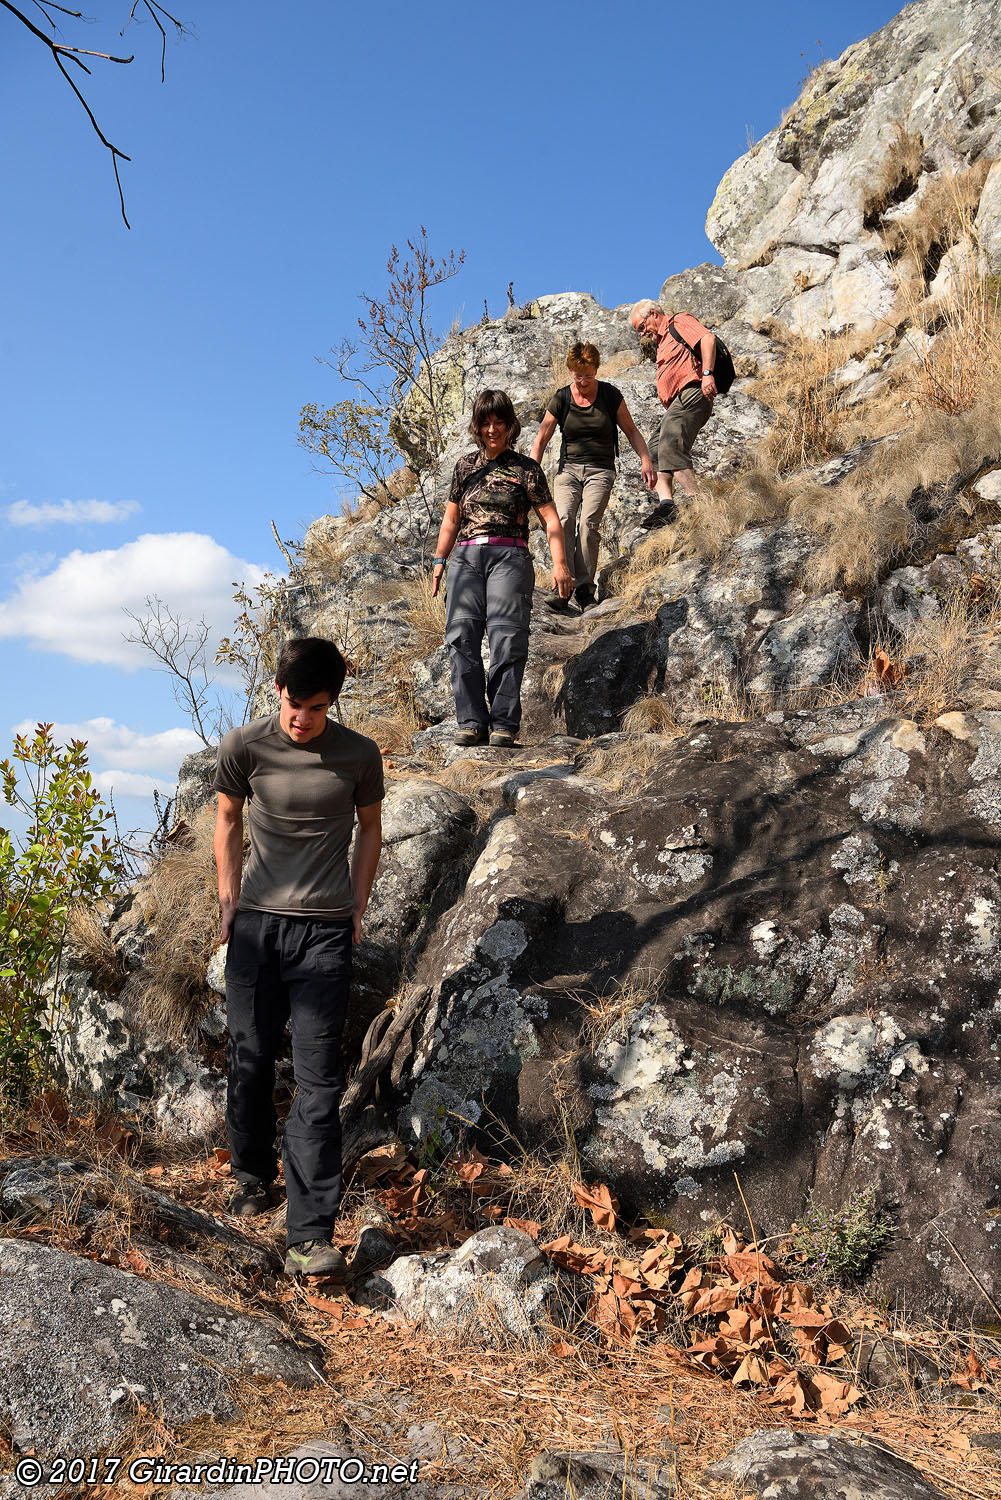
{"type": "Point", "coordinates": [683, 420]}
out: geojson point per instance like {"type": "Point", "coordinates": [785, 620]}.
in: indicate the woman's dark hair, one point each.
{"type": "Point", "coordinates": [310, 665]}
{"type": "Point", "coordinates": [494, 404]}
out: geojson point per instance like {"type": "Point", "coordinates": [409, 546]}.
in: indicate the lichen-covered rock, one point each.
{"type": "Point", "coordinates": [800, 975]}
{"type": "Point", "coordinates": [194, 784]}
{"type": "Point", "coordinates": [743, 625]}
{"type": "Point", "coordinates": [789, 216]}
{"type": "Point", "coordinates": [496, 1286]}
{"type": "Point", "coordinates": [80, 1342]}
{"type": "Point", "coordinates": [782, 1464]}
{"type": "Point", "coordinates": [103, 1054]}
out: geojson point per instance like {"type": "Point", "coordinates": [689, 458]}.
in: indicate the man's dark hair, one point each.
{"type": "Point", "coordinates": [310, 665]}
{"type": "Point", "coordinates": [494, 404]}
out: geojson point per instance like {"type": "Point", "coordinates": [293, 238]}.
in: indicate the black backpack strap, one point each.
{"type": "Point", "coordinates": [561, 413]}
{"type": "Point", "coordinates": [697, 352]}
{"type": "Point", "coordinates": [611, 400]}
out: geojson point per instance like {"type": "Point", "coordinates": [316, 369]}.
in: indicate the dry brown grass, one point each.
{"type": "Point", "coordinates": [626, 766]}
{"type": "Point", "coordinates": [179, 899]}
{"type": "Point", "coordinates": [618, 363]}
{"type": "Point", "coordinates": [425, 616]}
{"type": "Point", "coordinates": [815, 417]}
{"type": "Point", "coordinates": [610, 1014]}
{"type": "Point", "coordinates": [898, 176]}
{"type": "Point", "coordinates": [951, 659]}
{"type": "Point", "coordinates": [93, 947]}
{"type": "Point", "coordinates": [942, 216]}
{"type": "Point", "coordinates": [392, 721]}
{"type": "Point", "coordinates": [652, 715]}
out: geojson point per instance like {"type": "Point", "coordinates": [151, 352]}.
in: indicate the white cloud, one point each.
{"type": "Point", "coordinates": [70, 512]}
{"type": "Point", "coordinates": [77, 608]}
{"type": "Point", "coordinates": [131, 784]}
{"type": "Point", "coordinates": [125, 761]}
{"type": "Point", "coordinates": [124, 749]}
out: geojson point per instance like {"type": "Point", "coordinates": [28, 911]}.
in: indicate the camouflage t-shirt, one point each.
{"type": "Point", "coordinates": [495, 495]}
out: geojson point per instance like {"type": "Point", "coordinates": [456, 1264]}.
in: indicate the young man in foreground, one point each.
{"type": "Point", "coordinates": [290, 919]}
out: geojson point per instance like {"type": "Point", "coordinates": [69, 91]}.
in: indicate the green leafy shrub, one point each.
{"type": "Point", "coordinates": [63, 858]}
{"type": "Point", "coordinates": [842, 1244]}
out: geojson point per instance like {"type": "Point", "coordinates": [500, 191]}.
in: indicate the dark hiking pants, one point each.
{"type": "Point", "coordinates": [489, 588]}
{"type": "Point", "coordinates": [279, 968]}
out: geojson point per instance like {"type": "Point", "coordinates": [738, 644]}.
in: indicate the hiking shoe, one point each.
{"type": "Point", "coordinates": [584, 599]}
{"type": "Point", "coordinates": [251, 1198]}
{"type": "Point", "coordinates": [472, 736]}
{"type": "Point", "coordinates": [502, 739]}
{"type": "Point", "coordinates": [660, 515]}
{"type": "Point", "coordinates": [555, 603]}
{"type": "Point", "coordinates": [315, 1258]}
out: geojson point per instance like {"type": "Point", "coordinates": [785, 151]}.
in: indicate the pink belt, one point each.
{"type": "Point", "coordinates": [494, 541]}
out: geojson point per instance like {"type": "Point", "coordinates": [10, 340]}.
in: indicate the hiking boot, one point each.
{"type": "Point", "coordinates": [660, 515]}
{"type": "Point", "coordinates": [315, 1258]}
{"type": "Point", "coordinates": [502, 739]}
{"type": "Point", "coordinates": [584, 598]}
{"type": "Point", "coordinates": [556, 604]}
{"type": "Point", "coordinates": [251, 1198]}
{"type": "Point", "coordinates": [472, 736]}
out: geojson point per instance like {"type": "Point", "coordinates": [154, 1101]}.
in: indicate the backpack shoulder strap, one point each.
{"type": "Point", "coordinates": [562, 405]}
{"type": "Point", "coordinates": [683, 342]}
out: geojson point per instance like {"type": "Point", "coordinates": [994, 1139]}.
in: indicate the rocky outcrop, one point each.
{"type": "Point", "coordinates": [81, 1343]}
{"type": "Point", "coordinates": [790, 218]}
{"type": "Point", "coordinates": [797, 972]}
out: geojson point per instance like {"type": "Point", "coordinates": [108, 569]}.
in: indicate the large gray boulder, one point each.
{"type": "Point", "coordinates": [790, 970]}
{"type": "Point", "coordinates": [784, 1464]}
{"type": "Point", "coordinates": [81, 1343]}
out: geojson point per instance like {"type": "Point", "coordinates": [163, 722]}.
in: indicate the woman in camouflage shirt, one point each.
{"type": "Point", "coordinates": [492, 575]}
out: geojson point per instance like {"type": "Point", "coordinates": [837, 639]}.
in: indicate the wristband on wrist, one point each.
{"type": "Point", "coordinates": [439, 562]}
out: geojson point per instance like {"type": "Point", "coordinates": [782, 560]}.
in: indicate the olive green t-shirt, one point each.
{"type": "Point", "coordinates": [301, 802]}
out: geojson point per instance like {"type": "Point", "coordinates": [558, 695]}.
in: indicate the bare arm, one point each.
{"type": "Point", "coordinates": [550, 518]}
{"type": "Point", "coordinates": [543, 435]}
{"type": "Point", "coordinates": [707, 346]}
{"type": "Point", "coordinates": [227, 842]}
{"type": "Point", "coordinates": [446, 541]}
{"type": "Point", "coordinates": [638, 443]}
{"type": "Point", "coordinates": [365, 861]}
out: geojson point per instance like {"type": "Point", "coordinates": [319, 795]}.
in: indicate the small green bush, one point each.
{"type": "Point", "coordinates": [842, 1244]}
{"type": "Point", "coordinates": [63, 858]}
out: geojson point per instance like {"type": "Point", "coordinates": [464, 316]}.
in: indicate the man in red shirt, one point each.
{"type": "Point", "coordinates": [686, 387]}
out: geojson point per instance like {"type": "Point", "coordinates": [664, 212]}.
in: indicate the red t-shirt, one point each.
{"type": "Point", "coordinates": [675, 366]}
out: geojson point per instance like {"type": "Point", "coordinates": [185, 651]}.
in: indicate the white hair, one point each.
{"type": "Point", "coordinates": [641, 308]}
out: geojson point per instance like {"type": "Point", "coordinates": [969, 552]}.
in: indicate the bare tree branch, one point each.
{"type": "Point", "coordinates": [179, 646]}
{"type": "Point", "coordinates": [62, 52]}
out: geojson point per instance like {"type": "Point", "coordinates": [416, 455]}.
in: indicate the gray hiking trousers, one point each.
{"type": "Point", "coordinates": [489, 588]}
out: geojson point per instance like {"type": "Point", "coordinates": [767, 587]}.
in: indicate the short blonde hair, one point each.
{"type": "Point", "coordinates": [583, 354]}
{"type": "Point", "coordinates": [641, 308]}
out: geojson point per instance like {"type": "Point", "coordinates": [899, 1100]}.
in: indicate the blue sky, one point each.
{"type": "Point", "coordinates": [151, 380]}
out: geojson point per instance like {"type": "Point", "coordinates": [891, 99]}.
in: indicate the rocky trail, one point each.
{"type": "Point", "coordinates": [711, 954]}
{"type": "Point", "coordinates": [468, 1347]}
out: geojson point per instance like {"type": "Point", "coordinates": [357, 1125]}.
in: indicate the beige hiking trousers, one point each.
{"type": "Point", "coordinates": [581, 494]}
